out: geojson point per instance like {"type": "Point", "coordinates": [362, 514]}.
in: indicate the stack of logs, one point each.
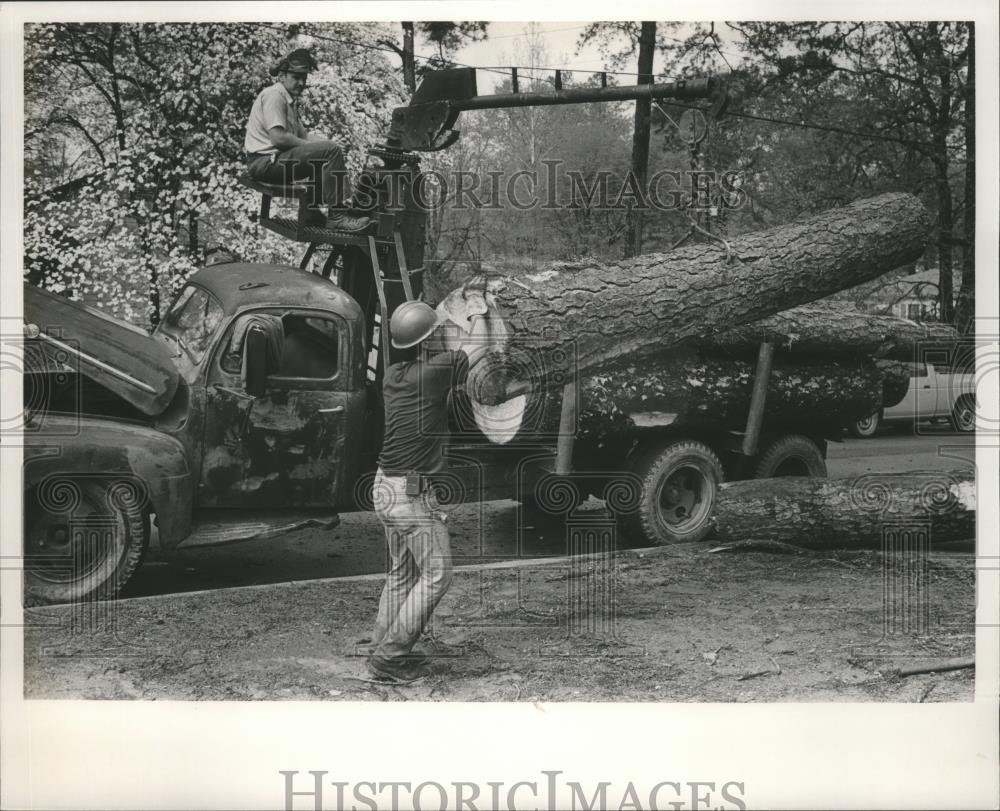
{"type": "Point", "coordinates": [676, 337]}
{"type": "Point", "coordinates": [678, 333]}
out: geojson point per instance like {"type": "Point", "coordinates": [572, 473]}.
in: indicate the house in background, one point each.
{"type": "Point", "coordinates": [915, 296]}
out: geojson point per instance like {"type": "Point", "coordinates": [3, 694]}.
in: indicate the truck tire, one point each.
{"type": "Point", "coordinates": [865, 428]}
{"type": "Point", "coordinates": [790, 455]}
{"type": "Point", "coordinates": [679, 483]}
{"type": "Point", "coordinates": [83, 540]}
{"type": "Point", "coordinates": [963, 414]}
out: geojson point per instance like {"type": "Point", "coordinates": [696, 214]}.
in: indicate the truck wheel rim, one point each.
{"type": "Point", "coordinates": [965, 417]}
{"type": "Point", "coordinates": [680, 500]}
{"type": "Point", "coordinates": [867, 424]}
{"type": "Point", "coordinates": [65, 549]}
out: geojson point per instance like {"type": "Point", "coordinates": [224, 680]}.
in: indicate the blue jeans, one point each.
{"type": "Point", "coordinates": [419, 564]}
{"type": "Point", "coordinates": [321, 162]}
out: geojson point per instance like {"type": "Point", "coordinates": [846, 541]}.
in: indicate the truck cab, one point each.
{"type": "Point", "coordinates": [249, 411]}
{"type": "Point", "coordinates": [297, 441]}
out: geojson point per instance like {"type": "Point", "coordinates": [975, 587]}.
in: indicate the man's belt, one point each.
{"type": "Point", "coordinates": [416, 483]}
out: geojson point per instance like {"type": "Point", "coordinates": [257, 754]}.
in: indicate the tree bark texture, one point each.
{"type": "Point", "coordinates": [578, 317]}
{"type": "Point", "coordinates": [965, 308]}
{"type": "Point", "coordinates": [407, 55]}
{"type": "Point", "coordinates": [854, 512]}
{"type": "Point", "coordinates": [696, 389]}
{"type": "Point", "coordinates": [896, 376]}
{"type": "Point", "coordinates": [707, 390]}
{"type": "Point", "coordinates": [640, 138]}
{"type": "Point", "coordinates": [830, 329]}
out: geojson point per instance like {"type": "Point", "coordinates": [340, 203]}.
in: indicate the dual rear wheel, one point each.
{"type": "Point", "coordinates": [679, 485]}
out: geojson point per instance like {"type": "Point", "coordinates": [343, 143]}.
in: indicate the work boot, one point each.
{"type": "Point", "coordinates": [365, 647]}
{"type": "Point", "coordinates": [313, 217]}
{"type": "Point", "coordinates": [340, 220]}
{"type": "Point", "coordinates": [396, 671]}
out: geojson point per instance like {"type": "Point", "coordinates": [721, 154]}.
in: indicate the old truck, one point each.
{"type": "Point", "coordinates": [254, 408]}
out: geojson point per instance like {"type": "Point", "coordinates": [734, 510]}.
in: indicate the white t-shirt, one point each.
{"type": "Point", "coordinates": [274, 107]}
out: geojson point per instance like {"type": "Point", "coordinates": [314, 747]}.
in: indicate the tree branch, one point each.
{"type": "Point", "coordinates": [68, 119]}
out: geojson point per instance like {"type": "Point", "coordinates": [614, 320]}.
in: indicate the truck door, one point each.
{"type": "Point", "coordinates": [941, 399]}
{"type": "Point", "coordinates": [286, 447]}
{"type": "Point", "coordinates": [924, 388]}
{"type": "Point", "coordinates": [916, 396]}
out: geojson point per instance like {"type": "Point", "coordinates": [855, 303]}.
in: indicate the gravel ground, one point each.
{"type": "Point", "coordinates": [671, 624]}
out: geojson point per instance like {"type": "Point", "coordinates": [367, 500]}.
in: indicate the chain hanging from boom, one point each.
{"type": "Point", "coordinates": [692, 130]}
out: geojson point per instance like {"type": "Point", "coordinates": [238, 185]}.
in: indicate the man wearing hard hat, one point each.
{"type": "Point", "coordinates": [415, 394]}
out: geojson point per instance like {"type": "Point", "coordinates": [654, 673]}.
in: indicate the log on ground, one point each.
{"type": "Point", "coordinates": [857, 512]}
{"type": "Point", "coordinates": [577, 317]}
{"type": "Point", "coordinates": [831, 328]}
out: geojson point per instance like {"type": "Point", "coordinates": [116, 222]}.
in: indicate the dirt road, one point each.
{"type": "Point", "coordinates": [671, 624]}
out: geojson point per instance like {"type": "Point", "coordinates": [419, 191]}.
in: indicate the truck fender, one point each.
{"type": "Point", "coordinates": [155, 463]}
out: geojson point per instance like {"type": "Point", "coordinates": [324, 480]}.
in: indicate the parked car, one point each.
{"type": "Point", "coordinates": [933, 394]}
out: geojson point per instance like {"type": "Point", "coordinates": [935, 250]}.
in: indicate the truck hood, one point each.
{"type": "Point", "coordinates": [119, 356]}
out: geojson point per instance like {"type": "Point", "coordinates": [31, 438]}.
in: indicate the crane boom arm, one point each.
{"type": "Point", "coordinates": [425, 124]}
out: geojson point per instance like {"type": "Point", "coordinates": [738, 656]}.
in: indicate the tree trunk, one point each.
{"type": "Point", "coordinates": [707, 390]}
{"type": "Point", "coordinates": [154, 275]}
{"type": "Point", "coordinates": [965, 311]}
{"type": "Point", "coordinates": [946, 223]}
{"type": "Point", "coordinates": [940, 157]}
{"type": "Point", "coordinates": [574, 318]}
{"type": "Point", "coordinates": [409, 64]}
{"type": "Point", "coordinates": [193, 246]}
{"type": "Point", "coordinates": [849, 513]}
{"type": "Point", "coordinates": [896, 376]}
{"type": "Point", "coordinates": [640, 139]}
{"type": "Point", "coordinates": [830, 329]}
{"type": "Point", "coordinates": [694, 389]}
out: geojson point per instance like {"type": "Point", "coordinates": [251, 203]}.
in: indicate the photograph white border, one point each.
{"type": "Point", "coordinates": [228, 755]}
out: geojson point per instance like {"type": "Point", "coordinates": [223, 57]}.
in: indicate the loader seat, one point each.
{"type": "Point", "coordinates": [384, 223]}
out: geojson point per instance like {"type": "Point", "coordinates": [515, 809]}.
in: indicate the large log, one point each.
{"type": "Point", "coordinates": [856, 512]}
{"type": "Point", "coordinates": [699, 389]}
{"type": "Point", "coordinates": [695, 389]}
{"type": "Point", "coordinates": [895, 380]}
{"type": "Point", "coordinates": [831, 329]}
{"type": "Point", "coordinates": [577, 317]}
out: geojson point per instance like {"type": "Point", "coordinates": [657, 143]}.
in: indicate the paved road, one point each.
{"type": "Point", "coordinates": [897, 452]}
{"type": "Point", "coordinates": [480, 532]}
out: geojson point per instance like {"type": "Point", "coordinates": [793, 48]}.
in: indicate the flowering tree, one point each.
{"type": "Point", "coordinates": [134, 144]}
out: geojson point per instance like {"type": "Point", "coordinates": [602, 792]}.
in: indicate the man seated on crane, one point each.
{"type": "Point", "coordinates": [280, 149]}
